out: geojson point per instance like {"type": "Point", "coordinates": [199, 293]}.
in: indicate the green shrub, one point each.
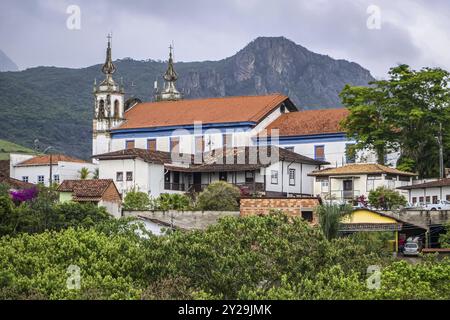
{"type": "Point", "coordinates": [386, 199]}
{"type": "Point", "coordinates": [219, 196]}
{"type": "Point", "coordinates": [136, 200]}
{"type": "Point", "coordinates": [174, 201]}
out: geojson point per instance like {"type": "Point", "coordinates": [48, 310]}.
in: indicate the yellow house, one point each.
{"type": "Point", "coordinates": [365, 220]}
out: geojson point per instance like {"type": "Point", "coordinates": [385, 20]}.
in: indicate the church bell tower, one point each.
{"type": "Point", "coordinates": [170, 92]}
{"type": "Point", "coordinates": [108, 106]}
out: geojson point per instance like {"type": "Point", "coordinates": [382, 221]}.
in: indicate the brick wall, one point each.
{"type": "Point", "coordinates": [291, 206]}
{"type": "Point", "coordinates": [111, 194]}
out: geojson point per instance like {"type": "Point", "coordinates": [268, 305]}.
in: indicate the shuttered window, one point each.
{"type": "Point", "coordinates": [151, 144]}
{"type": "Point", "coordinates": [319, 152]}
{"type": "Point", "coordinates": [129, 144]}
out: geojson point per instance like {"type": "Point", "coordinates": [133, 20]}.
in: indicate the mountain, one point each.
{"type": "Point", "coordinates": [55, 105]}
{"type": "Point", "coordinates": [6, 64]}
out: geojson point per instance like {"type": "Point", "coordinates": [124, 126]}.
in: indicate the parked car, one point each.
{"type": "Point", "coordinates": [411, 249]}
{"type": "Point", "coordinates": [440, 205]}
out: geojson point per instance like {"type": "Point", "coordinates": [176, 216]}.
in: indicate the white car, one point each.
{"type": "Point", "coordinates": [441, 205]}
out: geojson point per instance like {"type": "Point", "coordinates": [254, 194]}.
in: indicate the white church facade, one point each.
{"type": "Point", "coordinates": [173, 125]}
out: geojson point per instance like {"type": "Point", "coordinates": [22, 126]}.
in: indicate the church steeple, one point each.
{"type": "Point", "coordinates": [109, 68]}
{"type": "Point", "coordinates": [170, 92]}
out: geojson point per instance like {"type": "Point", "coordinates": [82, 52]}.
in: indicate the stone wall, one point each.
{"type": "Point", "coordinates": [291, 206]}
{"type": "Point", "coordinates": [187, 220]}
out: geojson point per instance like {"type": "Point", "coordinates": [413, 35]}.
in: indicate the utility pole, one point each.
{"type": "Point", "coordinates": [441, 153]}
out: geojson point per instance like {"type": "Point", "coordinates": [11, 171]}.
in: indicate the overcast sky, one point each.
{"type": "Point", "coordinates": [35, 32]}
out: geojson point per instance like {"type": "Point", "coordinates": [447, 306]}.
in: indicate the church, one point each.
{"type": "Point", "coordinates": [217, 129]}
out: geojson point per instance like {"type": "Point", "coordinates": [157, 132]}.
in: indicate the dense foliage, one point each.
{"type": "Point", "coordinates": [444, 239]}
{"type": "Point", "coordinates": [44, 213]}
{"type": "Point", "coordinates": [405, 113]}
{"type": "Point", "coordinates": [330, 218]}
{"type": "Point", "coordinates": [220, 196]}
{"type": "Point", "coordinates": [386, 199]}
{"type": "Point", "coordinates": [136, 200]}
{"type": "Point", "coordinates": [273, 257]}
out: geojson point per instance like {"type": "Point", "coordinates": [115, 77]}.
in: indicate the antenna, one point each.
{"type": "Point", "coordinates": [155, 86]}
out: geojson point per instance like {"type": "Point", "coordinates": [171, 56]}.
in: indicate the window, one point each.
{"type": "Point", "coordinates": [427, 199]}
{"type": "Point", "coordinates": [404, 178]}
{"type": "Point", "coordinates": [129, 176]}
{"type": "Point", "coordinates": [292, 177]}
{"type": "Point", "coordinates": [116, 109]}
{"type": "Point", "coordinates": [414, 200]}
{"type": "Point", "coordinates": [349, 153]}
{"type": "Point", "coordinates": [223, 176]}
{"type": "Point", "coordinates": [274, 177]}
{"type": "Point", "coordinates": [129, 144]}
{"type": "Point", "coordinates": [119, 176]}
{"type": "Point", "coordinates": [447, 197]}
{"type": "Point", "coordinates": [41, 179]}
{"type": "Point", "coordinates": [319, 153]}
{"type": "Point", "coordinates": [25, 179]}
{"type": "Point", "coordinates": [101, 109]}
{"type": "Point", "coordinates": [249, 177]}
{"type": "Point", "coordinates": [56, 178]}
{"type": "Point", "coordinates": [371, 181]}
{"type": "Point", "coordinates": [435, 199]}
{"type": "Point", "coordinates": [421, 199]}
{"type": "Point", "coordinates": [151, 144]}
{"type": "Point", "coordinates": [175, 145]}
{"type": "Point", "coordinates": [324, 183]}
{"type": "Point", "coordinates": [307, 215]}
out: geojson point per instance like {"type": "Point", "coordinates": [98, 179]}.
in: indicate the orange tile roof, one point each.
{"type": "Point", "coordinates": [360, 168]}
{"type": "Point", "coordinates": [45, 160]}
{"type": "Point", "coordinates": [210, 110]}
{"type": "Point", "coordinates": [90, 189]}
{"type": "Point", "coordinates": [308, 122]}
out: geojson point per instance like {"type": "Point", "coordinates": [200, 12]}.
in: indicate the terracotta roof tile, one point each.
{"type": "Point", "coordinates": [94, 188]}
{"type": "Point", "coordinates": [210, 110]}
{"type": "Point", "coordinates": [431, 184]}
{"type": "Point", "coordinates": [309, 122]}
{"type": "Point", "coordinates": [360, 168]}
{"type": "Point", "coordinates": [150, 156]}
{"type": "Point", "coordinates": [16, 184]}
{"type": "Point", "coordinates": [45, 160]}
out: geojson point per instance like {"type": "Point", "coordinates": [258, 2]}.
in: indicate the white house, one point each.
{"type": "Point", "coordinates": [318, 134]}
{"type": "Point", "coordinates": [353, 180]}
{"type": "Point", "coordinates": [271, 171]}
{"type": "Point", "coordinates": [36, 169]}
{"type": "Point", "coordinates": [428, 192]}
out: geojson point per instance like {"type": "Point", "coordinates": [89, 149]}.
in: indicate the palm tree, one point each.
{"type": "Point", "coordinates": [84, 173]}
{"type": "Point", "coordinates": [330, 217]}
{"type": "Point", "coordinates": [96, 174]}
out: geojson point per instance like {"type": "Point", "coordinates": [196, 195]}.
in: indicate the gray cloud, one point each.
{"type": "Point", "coordinates": [415, 32]}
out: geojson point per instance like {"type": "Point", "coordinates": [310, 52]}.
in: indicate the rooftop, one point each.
{"type": "Point", "coordinates": [91, 189]}
{"type": "Point", "coordinates": [150, 156]}
{"type": "Point", "coordinates": [309, 122]}
{"type": "Point", "coordinates": [360, 168]}
{"type": "Point", "coordinates": [207, 111]}
{"type": "Point", "coordinates": [431, 184]}
{"type": "Point", "coordinates": [45, 160]}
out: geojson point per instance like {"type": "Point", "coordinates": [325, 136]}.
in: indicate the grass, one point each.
{"type": "Point", "coordinates": [7, 147]}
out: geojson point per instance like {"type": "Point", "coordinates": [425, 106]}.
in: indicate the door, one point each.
{"type": "Point", "coordinates": [348, 189]}
{"type": "Point", "coordinates": [197, 180]}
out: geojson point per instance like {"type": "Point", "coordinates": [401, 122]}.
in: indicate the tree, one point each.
{"type": "Point", "coordinates": [386, 199]}
{"type": "Point", "coordinates": [136, 200]}
{"type": "Point", "coordinates": [444, 239]}
{"type": "Point", "coordinates": [4, 189]}
{"type": "Point", "coordinates": [173, 201]}
{"type": "Point", "coordinates": [219, 196]}
{"type": "Point", "coordinates": [84, 173]}
{"type": "Point", "coordinates": [404, 113]}
{"type": "Point", "coordinates": [330, 217]}
{"type": "Point", "coordinates": [96, 174]}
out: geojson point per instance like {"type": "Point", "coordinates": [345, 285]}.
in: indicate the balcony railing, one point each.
{"type": "Point", "coordinates": [340, 194]}
{"type": "Point", "coordinates": [248, 187]}
{"type": "Point", "coordinates": [174, 186]}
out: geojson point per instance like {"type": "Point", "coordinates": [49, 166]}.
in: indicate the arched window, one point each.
{"type": "Point", "coordinates": [117, 109]}
{"type": "Point", "coordinates": [101, 109]}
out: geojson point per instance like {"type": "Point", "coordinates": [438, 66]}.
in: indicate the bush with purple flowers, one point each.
{"type": "Point", "coordinates": [19, 196]}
